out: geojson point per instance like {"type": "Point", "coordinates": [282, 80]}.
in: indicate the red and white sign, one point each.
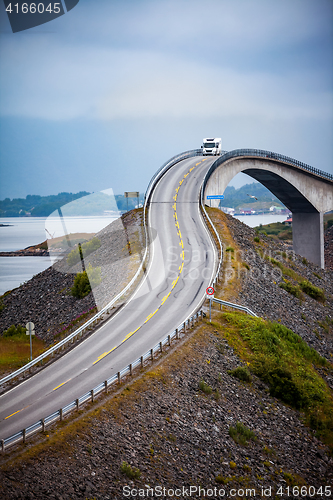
{"type": "Point", "coordinates": [210, 290]}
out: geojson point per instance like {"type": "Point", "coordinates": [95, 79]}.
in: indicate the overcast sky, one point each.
{"type": "Point", "coordinates": [102, 96]}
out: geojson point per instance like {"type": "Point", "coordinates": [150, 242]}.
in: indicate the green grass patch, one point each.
{"type": "Point", "coordinates": [15, 348]}
{"type": "Point", "coordinates": [241, 434]}
{"type": "Point", "coordinates": [130, 472]}
{"type": "Point", "coordinates": [86, 249]}
{"type": "Point", "coordinates": [230, 249]}
{"type": "Point", "coordinates": [312, 290]}
{"type": "Point", "coordinates": [204, 387]}
{"type": "Point", "coordinates": [242, 373]}
{"type": "Point", "coordinates": [287, 364]}
{"type": "Point", "coordinates": [290, 288]}
{"type": "Point", "coordinates": [304, 285]}
{"type": "Point", "coordinates": [277, 229]}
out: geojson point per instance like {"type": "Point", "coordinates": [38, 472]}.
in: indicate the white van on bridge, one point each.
{"type": "Point", "coordinates": [211, 146]}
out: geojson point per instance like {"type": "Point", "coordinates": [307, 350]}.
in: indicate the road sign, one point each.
{"type": "Point", "coordinates": [215, 197]}
{"type": "Point", "coordinates": [210, 290]}
{"type": "Point", "coordinates": [131, 194]}
{"type": "Point", "coordinates": [30, 331]}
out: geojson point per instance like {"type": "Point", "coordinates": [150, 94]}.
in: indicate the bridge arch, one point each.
{"type": "Point", "coordinates": [305, 191]}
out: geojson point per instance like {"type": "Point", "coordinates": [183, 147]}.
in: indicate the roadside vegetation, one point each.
{"type": "Point", "coordinates": [84, 282]}
{"type": "Point", "coordinates": [277, 230]}
{"type": "Point", "coordinates": [86, 249]}
{"type": "Point", "coordinates": [15, 348]}
{"type": "Point", "coordinates": [286, 363]}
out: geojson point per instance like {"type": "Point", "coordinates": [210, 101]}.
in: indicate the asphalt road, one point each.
{"type": "Point", "coordinates": [182, 265]}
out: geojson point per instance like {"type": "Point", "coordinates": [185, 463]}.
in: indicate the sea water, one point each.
{"type": "Point", "coordinates": [22, 232]}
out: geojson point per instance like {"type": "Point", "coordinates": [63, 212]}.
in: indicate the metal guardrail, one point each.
{"type": "Point", "coordinates": [170, 163]}
{"type": "Point", "coordinates": [41, 424]}
{"type": "Point", "coordinates": [264, 154]}
{"type": "Point", "coordinates": [98, 316]}
{"type": "Point", "coordinates": [77, 333]}
{"type": "Point", "coordinates": [234, 306]}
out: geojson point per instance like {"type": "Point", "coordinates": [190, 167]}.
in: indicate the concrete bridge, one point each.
{"type": "Point", "coordinates": [306, 191]}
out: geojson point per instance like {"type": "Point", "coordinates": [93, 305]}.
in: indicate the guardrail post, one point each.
{"type": "Point", "coordinates": [169, 339]}
{"type": "Point", "coordinates": [106, 386]}
{"type": "Point", "coordinates": [2, 445]}
{"type": "Point", "coordinates": [24, 435]}
{"type": "Point", "coordinates": [61, 414]}
{"type": "Point", "coordinates": [43, 425]}
{"type": "Point", "coordinates": [152, 354]}
{"type": "Point", "coordinates": [92, 395]}
{"type": "Point", "coordinates": [161, 347]}
{"type": "Point", "coordinates": [118, 377]}
{"type": "Point", "coordinates": [177, 333]}
{"type": "Point", "coordinates": [77, 404]}
{"type": "Point", "coordinates": [184, 326]}
{"type": "Point", "coordinates": [130, 368]}
{"type": "Point", "coordinates": [141, 359]}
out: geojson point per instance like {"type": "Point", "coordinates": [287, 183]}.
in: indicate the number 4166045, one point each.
{"type": "Point", "coordinates": [34, 8]}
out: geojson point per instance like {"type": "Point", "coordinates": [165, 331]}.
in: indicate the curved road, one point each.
{"type": "Point", "coordinates": [182, 265]}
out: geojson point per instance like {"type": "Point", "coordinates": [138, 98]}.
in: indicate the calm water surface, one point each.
{"type": "Point", "coordinates": [23, 232]}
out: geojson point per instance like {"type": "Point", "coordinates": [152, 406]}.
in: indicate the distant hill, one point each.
{"type": "Point", "coordinates": [35, 205]}
{"type": "Point", "coordinates": [43, 206]}
{"type": "Point", "coordinates": [236, 198]}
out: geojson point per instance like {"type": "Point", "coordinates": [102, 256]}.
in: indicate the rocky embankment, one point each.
{"type": "Point", "coordinates": [309, 318]}
{"type": "Point", "coordinates": [171, 434]}
{"type": "Point", "coordinates": [46, 300]}
{"type": "Point", "coordinates": [328, 245]}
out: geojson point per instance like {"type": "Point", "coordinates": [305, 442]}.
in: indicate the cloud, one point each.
{"type": "Point", "coordinates": [61, 83]}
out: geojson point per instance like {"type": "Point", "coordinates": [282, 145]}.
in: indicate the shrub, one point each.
{"type": "Point", "coordinates": [221, 480]}
{"type": "Point", "coordinates": [81, 287]}
{"type": "Point", "coordinates": [241, 434]}
{"type": "Point", "coordinates": [131, 472]}
{"type": "Point", "coordinates": [230, 249]}
{"type": "Point", "coordinates": [94, 275]}
{"type": "Point", "coordinates": [85, 281]}
{"type": "Point", "coordinates": [256, 239]}
{"type": "Point", "coordinates": [290, 288]}
{"type": "Point", "coordinates": [204, 387]}
{"type": "Point", "coordinates": [87, 248]}
{"type": "Point", "coordinates": [15, 331]}
{"type": "Point", "coordinates": [241, 372]}
{"type": "Point", "coordinates": [313, 291]}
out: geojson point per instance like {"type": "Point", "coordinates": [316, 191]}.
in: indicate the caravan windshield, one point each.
{"type": "Point", "coordinates": [209, 145]}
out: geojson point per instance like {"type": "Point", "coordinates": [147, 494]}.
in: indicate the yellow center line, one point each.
{"type": "Point", "coordinates": [18, 411]}
{"type": "Point", "coordinates": [182, 255]}
{"type": "Point", "coordinates": [62, 384]}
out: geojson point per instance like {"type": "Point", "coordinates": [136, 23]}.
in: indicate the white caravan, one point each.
{"type": "Point", "coordinates": [211, 146]}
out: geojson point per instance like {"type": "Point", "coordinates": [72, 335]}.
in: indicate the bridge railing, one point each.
{"type": "Point", "coordinates": [170, 163]}
{"type": "Point", "coordinates": [265, 154]}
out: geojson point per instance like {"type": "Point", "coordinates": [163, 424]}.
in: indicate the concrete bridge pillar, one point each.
{"type": "Point", "coordinates": [308, 236]}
